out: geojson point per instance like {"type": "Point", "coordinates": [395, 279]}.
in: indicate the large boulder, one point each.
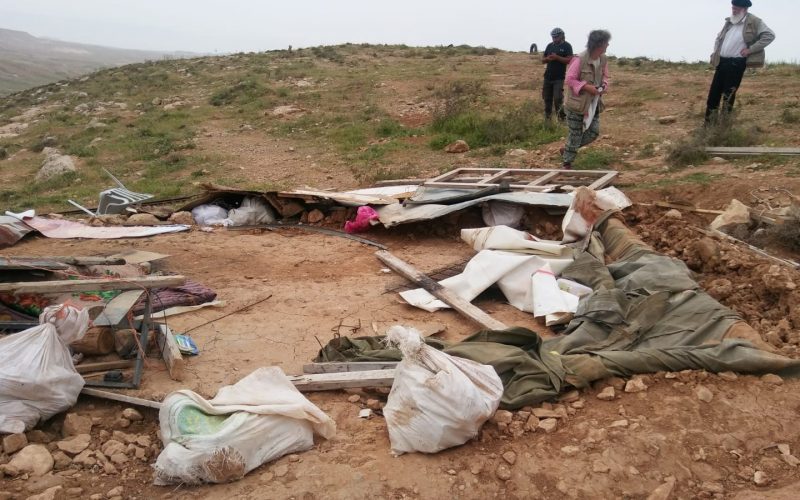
{"type": "Point", "coordinates": [55, 164]}
{"type": "Point", "coordinates": [735, 213]}
{"type": "Point", "coordinates": [33, 459]}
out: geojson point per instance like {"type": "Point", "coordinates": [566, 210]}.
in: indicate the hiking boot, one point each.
{"type": "Point", "coordinates": [566, 166]}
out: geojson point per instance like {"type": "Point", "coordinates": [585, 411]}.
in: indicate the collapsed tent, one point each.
{"type": "Point", "coordinates": [645, 314]}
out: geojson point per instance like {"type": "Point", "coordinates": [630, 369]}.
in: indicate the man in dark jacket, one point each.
{"type": "Point", "coordinates": [556, 56]}
{"type": "Point", "coordinates": [740, 45]}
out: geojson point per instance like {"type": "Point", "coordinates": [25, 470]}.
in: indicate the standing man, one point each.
{"type": "Point", "coordinates": [740, 45]}
{"type": "Point", "coordinates": [556, 56]}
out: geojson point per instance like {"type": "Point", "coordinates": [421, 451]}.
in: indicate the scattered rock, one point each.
{"type": "Point", "coordinates": [503, 472]}
{"type": "Point", "coordinates": [122, 423]}
{"type": "Point", "coordinates": [75, 444]}
{"type": "Point", "coordinates": [476, 466]}
{"type": "Point", "coordinates": [510, 457]}
{"type": "Point", "coordinates": [545, 413]}
{"type": "Point", "coordinates": [115, 492]}
{"type": "Point", "coordinates": [606, 394]}
{"type": "Point", "coordinates": [132, 415]}
{"type": "Point", "coordinates": [74, 492]}
{"type": "Point", "coordinates": [315, 216]}
{"type": "Point", "coordinates": [570, 397]}
{"type": "Point", "coordinates": [284, 111]}
{"type": "Point", "coordinates": [355, 398]}
{"type": "Point", "coordinates": [374, 404]}
{"type": "Point", "coordinates": [42, 483]}
{"type": "Point", "coordinates": [141, 220]}
{"type": "Point", "coordinates": [532, 423]}
{"type": "Point", "coordinates": [600, 467]}
{"type": "Point", "coordinates": [771, 378]}
{"type": "Point", "coordinates": [119, 458]}
{"type": "Point", "coordinates": [570, 450]}
{"type": "Point", "coordinates": [54, 493]}
{"type": "Point", "coordinates": [718, 160]}
{"type": "Point", "coordinates": [704, 394]}
{"type": "Point", "coordinates": [182, 218]}
{"type": "Point", "coordinates": [635, 384]}
{"type": "Point", "coordinates": [548, 425]}
{"type": "Point", "coordinates": [667, 120]}
{"type": "Point", "coordinates": [75, 424]}
{"type": "Point", "coordinates": [673, 214]}
{"type": "Point", "coordinates": [516, 152]}
{"type": "Point", "coordinates": [60, 460]}
{"type": "Point", "coordinates": [281, 470]}
{"type": "Point", "coordinates": [619, 423]}
{"type": "Point", "coordinates": [14, 442]}
{"type": "Point", "coordinates": [55, 164]}
{"type": "Point", "coordinates": [111, 447]}
{"type": "Point", "coordinates": [735, 213]}
{"type": "Point", "coordinates": [457, 147]}
{"type": "Point", "coordinates": [729, 376]}
{"type": "Point", "coordinates": [760, 479]}
{"type": "Point", "coordinates": [39, 436]}
{"type": "Point", "coordinates": [502, 417]}
{"type": "Point", "coordinates": [664, 491]}
{"type": "Point", "coordinates": [790, 460]}
{"type": "Point", "coordinates": [34, 459]}
{"type": "Point", "coordinates": [85, 459]}
{"type": "Point", "coordinates": [95, 123]}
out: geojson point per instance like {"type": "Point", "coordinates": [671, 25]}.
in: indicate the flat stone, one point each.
{"type": "Point", "coordinates": [74, 492]}
{"type": "Point", "coordinates": [119, 458]}
{"type": "Point", "coordinates": [790, 460]}
{"type": "Point", "coordinates": [132, 414]}
{"type": "Point", "coordinates": [54, 493]}
{"type": "Point", "coordinates": [111, 447]}
{"type": "Point", "coordinates": [14, 442]}
{"type": "Point", "coordinates": [760, 478]}
{"type": "Point", "coordinates": [503, 472]}
{"type": "Point", "coordinates": [664, 491]}
{"type": "Point", "coordinates": [510, 457]}
{"type": "Point", "coordinates": [355, 398]}
{"type": "Point", "coordinates": [600, 466]}
{"type": "Point", "coordinates": [39, 436]}
{"type": "Point", "coordinates": [502, 417]}
{"type": "Point", "coordinates": [729, 376]}
{"type": "Point", "coordinates": [619, 423]}
{"type": "Point", "coordinates": [34, 459]}
{"type": "Point", "coordinates": [115, 492]}
{"type": "Point", "coordinates": [704, 394]}
{"type": "Point", "coordinates": [75, 445]}
{"type": "Point", "coordinates": [75, 424]}
{"type": "Point", "coordinates": [635, 384]}
{"type": "Point", "coordinates": [606, 394]}
{"type": "Point", "coordinates": [570, 450]}
{"type": "Point", "coordinates": [570, 397]}
{"type": "Point", "coordinates": [532, 423]}
{"type": "Point", "coordinates": [771, 378]}
{"type": "Point", "coordinates": [545, 413]}
{"type": "Point", "coordinates": [85, 458]}
{"type": "Point", "coordinates": [548, 425]}
{"type": "Point", "coordinates": [60, 460]}
{"type": "Point", "coordinates": [42, 483]}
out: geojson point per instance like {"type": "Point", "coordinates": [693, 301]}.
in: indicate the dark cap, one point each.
{"type": "Point", "coordinates": [741, 3]}
{"type": "Point", "coordinates": [556, 32]}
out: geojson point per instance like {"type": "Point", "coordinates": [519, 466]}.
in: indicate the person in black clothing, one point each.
{"type": "Point", "coordinates": [556, 56]}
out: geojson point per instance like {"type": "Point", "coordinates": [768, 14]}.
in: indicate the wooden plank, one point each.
{"type": "Point", "coordinates": [541, 181]}
{"type": "Point", "coordinates": [603, 181]}
{"type": "Point", "coordinates": [347, 380]}
{"type": "Point", "coordinates": [113, 396]}
{"type": "Point", "coordinates": [117, 308]}
{"type": "Point", "coordinates": [104, 366]}
{"type": "Point", "coordinates": [678, 206]}
{"type": "Point", "coordinates": [37, 263]}
{"type": "Point", "coordinates": [494, 178]}
{"type": "Point", "coordinates": [91, 285]}
{"type": "Point", "coordinates": [747, 151]}
{"type": "Point", "coordinates": [356, 366]}
{"type": "Point", "coordinates": [448, 297]}
{"type": "Point", "coordinates": [170, 352]}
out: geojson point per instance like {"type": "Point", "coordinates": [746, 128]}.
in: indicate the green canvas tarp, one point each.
{"type": "Point", "coordinates": [646, 314]}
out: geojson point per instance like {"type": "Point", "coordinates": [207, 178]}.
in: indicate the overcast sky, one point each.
{"type": "Point", "coordinates": [675, 30]}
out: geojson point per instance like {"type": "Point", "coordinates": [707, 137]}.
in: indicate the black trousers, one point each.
{"type": "Point", "coordinates": [727, 79]}
{"type": "Point", "coordinates": [553, 95]}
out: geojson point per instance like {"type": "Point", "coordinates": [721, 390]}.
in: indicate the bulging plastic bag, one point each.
{"type": "Point", "coordinates": [37, 377]}
{"type": "Point", "coordinates": [209, 215]}
{"type": "Point", "coordinates": [253, 211]}
{"type": "Point", "coordinates": [260, 418]}
{"type": "Point", "coordinates": [437, 401]}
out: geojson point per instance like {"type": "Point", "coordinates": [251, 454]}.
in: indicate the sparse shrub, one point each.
{"type": "Point", "coordinates": [723, 132]}
{"type": "Point", "coordinates": [594, 159]}
{"type": "Point", "coordinates": [3, 153]}
{"type": "Point", "coordinates": [390, 128]}
{"type": "Point", "coordinates": [790, 116]}
{"type": "Point", "coordinates": [786, 235]}
{"type": "Point", "coordinates": [327, 52]}
{"type": "Point", "coordinates": [242, 92]}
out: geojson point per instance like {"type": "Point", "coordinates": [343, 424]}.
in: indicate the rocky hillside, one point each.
{"type": "Point", "coordinates": [27, 61]}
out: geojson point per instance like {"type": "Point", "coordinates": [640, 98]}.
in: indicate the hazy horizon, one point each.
{"type": "Point", "coordinates": [679, 31]}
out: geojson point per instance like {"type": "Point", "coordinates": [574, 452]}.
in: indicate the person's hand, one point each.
{"type": "Point", "coordinates": [745, 52]}
{"type": "Point", "coordinates": [591, 89]}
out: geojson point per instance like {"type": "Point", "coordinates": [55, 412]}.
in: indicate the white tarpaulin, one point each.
{"type": "Point", "coordinates": [67, 229]}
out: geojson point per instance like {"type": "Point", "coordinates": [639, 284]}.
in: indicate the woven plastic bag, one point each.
{"type": "Point", "coordinates": [259, 419]}
{"type": "Point", "coordinates": [437, 401]}
{"type": "Point", "coordinates": [37, 377]}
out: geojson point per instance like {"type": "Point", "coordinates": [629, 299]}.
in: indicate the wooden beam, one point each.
{"type": "Point", "coordinates": [447, 296]}
{"type": "Point", "coordinates": [104, 366]}
{"type": "Point", "coordinates": [117, 308]}
{"type": "Point", "coordinates": [749, 151]}
{"type": "Point", "coordinates": [678, 206]}
{"type": "Point", "coordinates": [92, 285]}
{"type": "Point", "coordinates": [170, 352]}
{"type": "Point", "coordinates": [346, 380]}
{"type": "Point", "coordinates": [355, 366]}
{"type": "Point", "coordinates": [113, 396]}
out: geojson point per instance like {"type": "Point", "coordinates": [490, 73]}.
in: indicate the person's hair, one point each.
{"type": "Point", "coordinates": [597, 38]}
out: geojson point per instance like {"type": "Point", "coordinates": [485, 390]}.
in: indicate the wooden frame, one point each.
{"type": "Point", "coordinates": [523, 179]}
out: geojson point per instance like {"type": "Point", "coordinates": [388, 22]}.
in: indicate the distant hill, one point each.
{"type": "Point", "coordinates": [27, 61]}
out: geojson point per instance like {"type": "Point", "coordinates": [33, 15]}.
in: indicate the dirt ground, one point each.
{"type": "Point", "coordinates": [306, 287]}
{"type": "Point", "coordinates": [309, 286]}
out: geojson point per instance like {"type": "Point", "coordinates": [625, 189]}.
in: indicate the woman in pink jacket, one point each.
{"type": "Point", "coordinates": [586, 82]}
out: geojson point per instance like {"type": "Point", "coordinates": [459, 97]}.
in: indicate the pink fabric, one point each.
{"type": "Point", "coordinates": [574, 73]}
{"type": "Point", "coordinates": [361, 222]}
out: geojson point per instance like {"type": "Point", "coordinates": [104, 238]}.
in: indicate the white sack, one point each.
{"type": "Point", "coordinates": [437, 401]}
{"type": "Point", "coordinates": [260, 418]}
{"type": "Point", "coordinates": [253, 211]}
{"type": "Point", "coordinates": [37, 377]}
{"type": "Point", "coordinates": [502, 213]}
{"type": "Point", "coordinates": [209, 215]}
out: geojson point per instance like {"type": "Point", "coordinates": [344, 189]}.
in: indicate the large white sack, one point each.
{"type": "Point", "coordinates": [253, 211]}
{"type": "Point", "coordinates": [260, 418]}
{"type": "Point", "coordinates": [437, 401]}
{"type": "Point", "coordinates": [37, 377]}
